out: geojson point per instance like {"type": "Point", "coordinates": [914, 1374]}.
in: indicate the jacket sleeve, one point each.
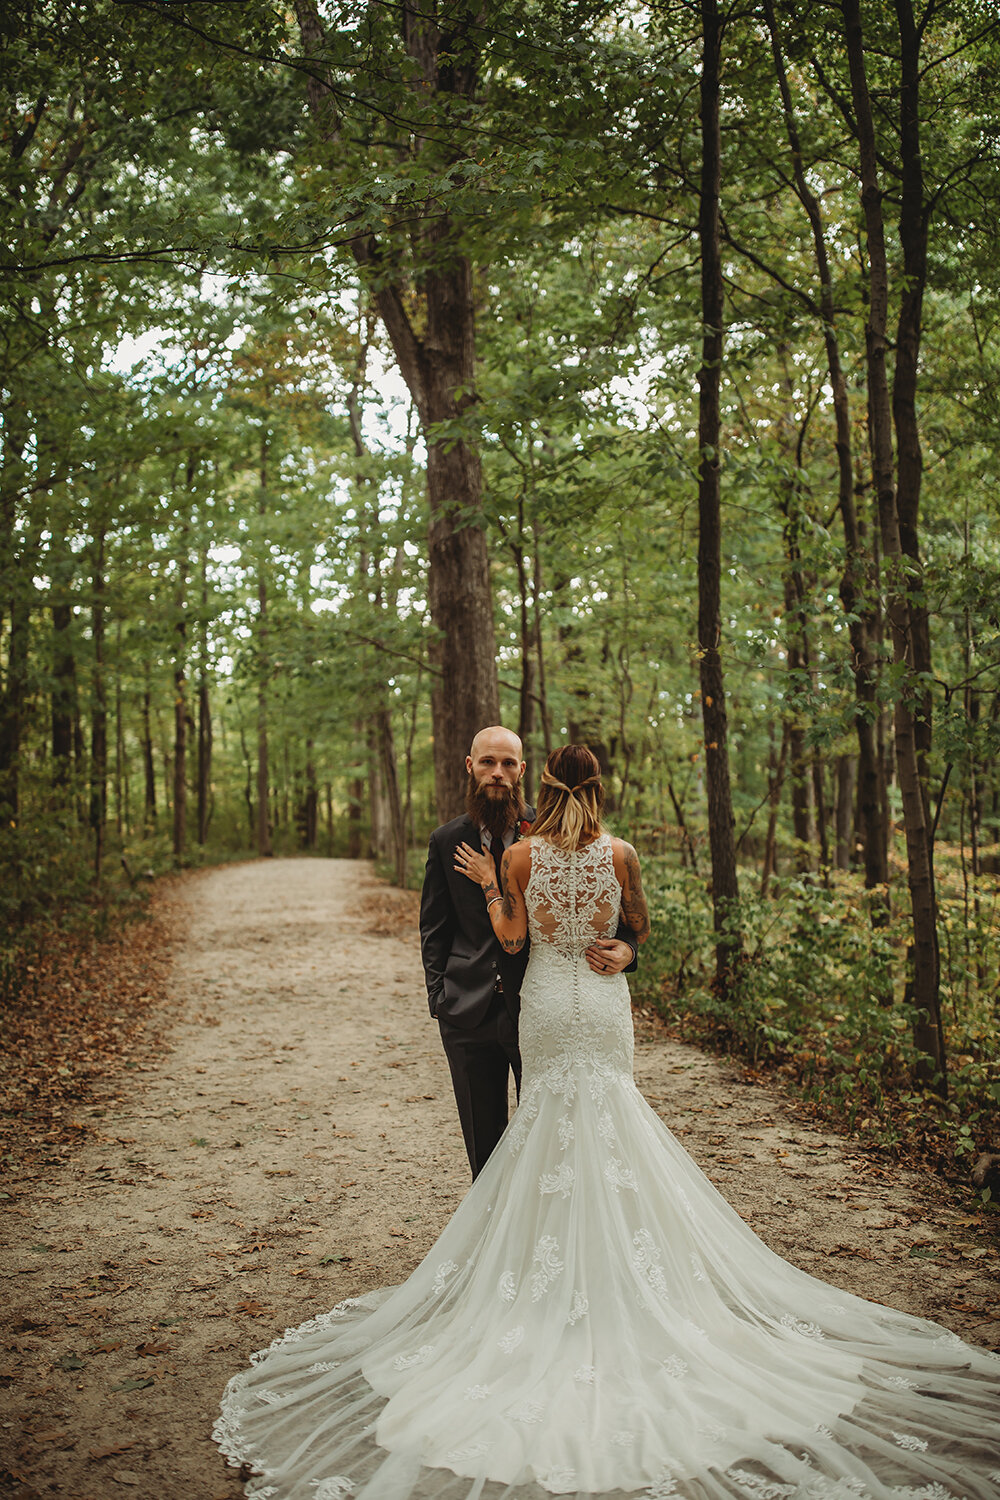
{"type": "Point", "coordinates": [626, 935]}
{"type": "Point", "coordinates": [437, 925]}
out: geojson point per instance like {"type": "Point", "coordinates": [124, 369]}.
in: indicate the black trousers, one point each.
{"type": "Point", "coordinates": [481, 1058]}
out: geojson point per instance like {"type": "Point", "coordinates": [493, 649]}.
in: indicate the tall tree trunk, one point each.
{"type": "Point", "coordinates": [438, 364]}
{"type": "Point", "coordinates": [847, 767]}
{"type": "Point", "coordinates": [820, 810]}
{"type": "Point", "coordinates": [775, 776]}
{"type": "Point", "coordinates": [354, 804]}
{"type": "Point", "coordinates": [148, 767]}
{"type": "Point", "coordinates": [928, 1032]}
{"type": "Point", "coordinates": [204, 715]}
{"type": "Point", "coordinates": [396, 828]}
{"type": "Point", "coordinates": [857, 588]}
{"type": "Point", "coordinates": [121, 811]}
{"type": "Point", "coordinates": [99, 710]}
{"type": "Point", "coordinates": [529, 662]}
{"type": "Point", "coordinates": [311, 799]}
{"type": "Point", "coordinates": [63, 692]}
{"type": "Point", "coordinates": [15, 688]}
{"type": "Point", "coordinates": [914, 216]}
{"type": "Point", "coordinates": [263, 832]}
{"type": "Point", "coordinates": [725, 887]}
{"type": "Point", "coordinates": [15, 609]}
{"type": "Point", "coordinates": [180, 742]}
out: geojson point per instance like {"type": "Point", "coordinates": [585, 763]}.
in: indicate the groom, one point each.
{"type": "Point", "coordinates": [473, 986]}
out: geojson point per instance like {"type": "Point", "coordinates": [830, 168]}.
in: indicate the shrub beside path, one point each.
{"type": "Point", "coordinates": [295, 1142]}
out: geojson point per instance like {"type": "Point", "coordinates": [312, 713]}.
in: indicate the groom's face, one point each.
{"type": "Point", "coordinates": [495, 763]}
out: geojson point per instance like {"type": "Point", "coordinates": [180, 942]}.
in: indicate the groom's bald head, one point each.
{"type": "Point", "coordinates": [498, 741]}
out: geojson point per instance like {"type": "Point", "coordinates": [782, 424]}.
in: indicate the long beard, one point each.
{"type": "Point", "coordinates": [494, 806]}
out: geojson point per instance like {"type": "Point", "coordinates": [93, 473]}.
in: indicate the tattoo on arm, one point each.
{"type": "Point", "coordinates": [510, 909]}
{"type": "Point", "coordinates": [508, 896]}
{"type": "Point", "coordinates": [489, 891]}
{"type": "Point", "coordinates": [633, 899]}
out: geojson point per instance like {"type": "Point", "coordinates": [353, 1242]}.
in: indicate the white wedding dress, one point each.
{"type": "Point", "coordinates": [596, 1320]}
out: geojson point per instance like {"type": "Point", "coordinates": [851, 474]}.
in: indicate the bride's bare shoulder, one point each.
{"type": "Point", "coordinates": [623, 855]}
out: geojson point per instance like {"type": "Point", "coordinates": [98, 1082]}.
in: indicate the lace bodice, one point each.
{"type": "Point", "coordinates": [572, 896]}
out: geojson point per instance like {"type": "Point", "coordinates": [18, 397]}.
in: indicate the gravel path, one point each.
{"type": "Point", "coordinates": [297, 1143]}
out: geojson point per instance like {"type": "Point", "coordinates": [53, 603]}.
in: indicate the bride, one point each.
{"type": "Point", "coordinates": [595, 1320]}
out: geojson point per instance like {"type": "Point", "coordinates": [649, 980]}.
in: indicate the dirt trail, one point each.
{"type": "Point", "coordinates": [298, 1144]}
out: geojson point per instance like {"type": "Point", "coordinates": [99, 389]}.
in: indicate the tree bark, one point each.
{"type": "Point", "coordinates": [180, 742]}
{"type": "Point", "coordinates": [439, 367]}
{"type": "Point", "coordinates": [99, 708]}
{"type": "Point", "coordinates": [725, 887]}
{"type": "Point", "coordinates": [204, 715]}
{"type": "Point", "coordinates": [396, 828]}
{"type": "Point", "coordinates": [263, 831]}
{"type": "Point", "coordinates": [775, 776]}
{"type": "Point", "coordinates": [857, 589]}
{"type": "Point", "coordinates": [148, 767]}
{"type": "Point", "coordinates": [844, 812]}
{"type": "Point", "coordinates": [913, 232]}
{"type": "Point", "coordinates": [310, 827]}
{"type": "Point", "coordinates": [63, 693]}
{"type": "Point", "coordinates": [928, 1032]}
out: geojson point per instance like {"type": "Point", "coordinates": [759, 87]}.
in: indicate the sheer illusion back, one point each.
{"type": "Point", "coordinates": [596, 1320]}
{"type": "Point", "coordinates": [572, 897]}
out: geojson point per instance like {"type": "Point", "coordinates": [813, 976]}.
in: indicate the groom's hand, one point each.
{"type": "Point", "coordinates": [608, 955]}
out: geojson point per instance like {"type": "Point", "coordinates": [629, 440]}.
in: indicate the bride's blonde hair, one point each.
{"type": "Point", "coordinates": [570, 797]}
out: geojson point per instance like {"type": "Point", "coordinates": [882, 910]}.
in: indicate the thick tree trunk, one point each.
{"type": "Point", "coordinates": [725, 887]}
{"type": "Point", "coordinates": [438, 364]}
{"type": "Point", "coordinates": [928, 1033]}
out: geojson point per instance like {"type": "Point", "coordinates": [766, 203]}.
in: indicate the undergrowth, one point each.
{"type": "Point", "coordinates": [821, 999]}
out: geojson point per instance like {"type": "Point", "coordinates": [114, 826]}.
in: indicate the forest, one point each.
{"type": "Point", "coordinates": [626, 374]}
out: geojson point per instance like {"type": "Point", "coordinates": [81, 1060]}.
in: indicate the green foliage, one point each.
{"type": "Point", "coordinates": [815, 999]}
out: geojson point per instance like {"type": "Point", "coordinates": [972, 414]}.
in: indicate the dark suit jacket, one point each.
{"type": "Point", "coordinates": [459, 948]}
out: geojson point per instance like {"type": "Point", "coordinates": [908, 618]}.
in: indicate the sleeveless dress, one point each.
{"type": "Point", "coordinates": [595, 1320]}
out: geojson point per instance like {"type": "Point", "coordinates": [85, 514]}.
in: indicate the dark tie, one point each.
{"type": "Point", "coordinates": [496, 849]}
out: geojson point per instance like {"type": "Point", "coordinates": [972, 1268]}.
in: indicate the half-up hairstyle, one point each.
{"type": "Point", "coordinates": [570, 797]}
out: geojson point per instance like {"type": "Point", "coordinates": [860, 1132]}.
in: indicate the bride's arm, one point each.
{"type": "Point", "coordinates": [506, 909]}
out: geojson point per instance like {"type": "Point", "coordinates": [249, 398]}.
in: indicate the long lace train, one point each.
{"type": "Point", "coordinates": [596, 1320]}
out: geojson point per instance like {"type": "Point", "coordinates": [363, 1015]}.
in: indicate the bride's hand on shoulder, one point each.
{"type": "Point", "coordinates": [478, 867]}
